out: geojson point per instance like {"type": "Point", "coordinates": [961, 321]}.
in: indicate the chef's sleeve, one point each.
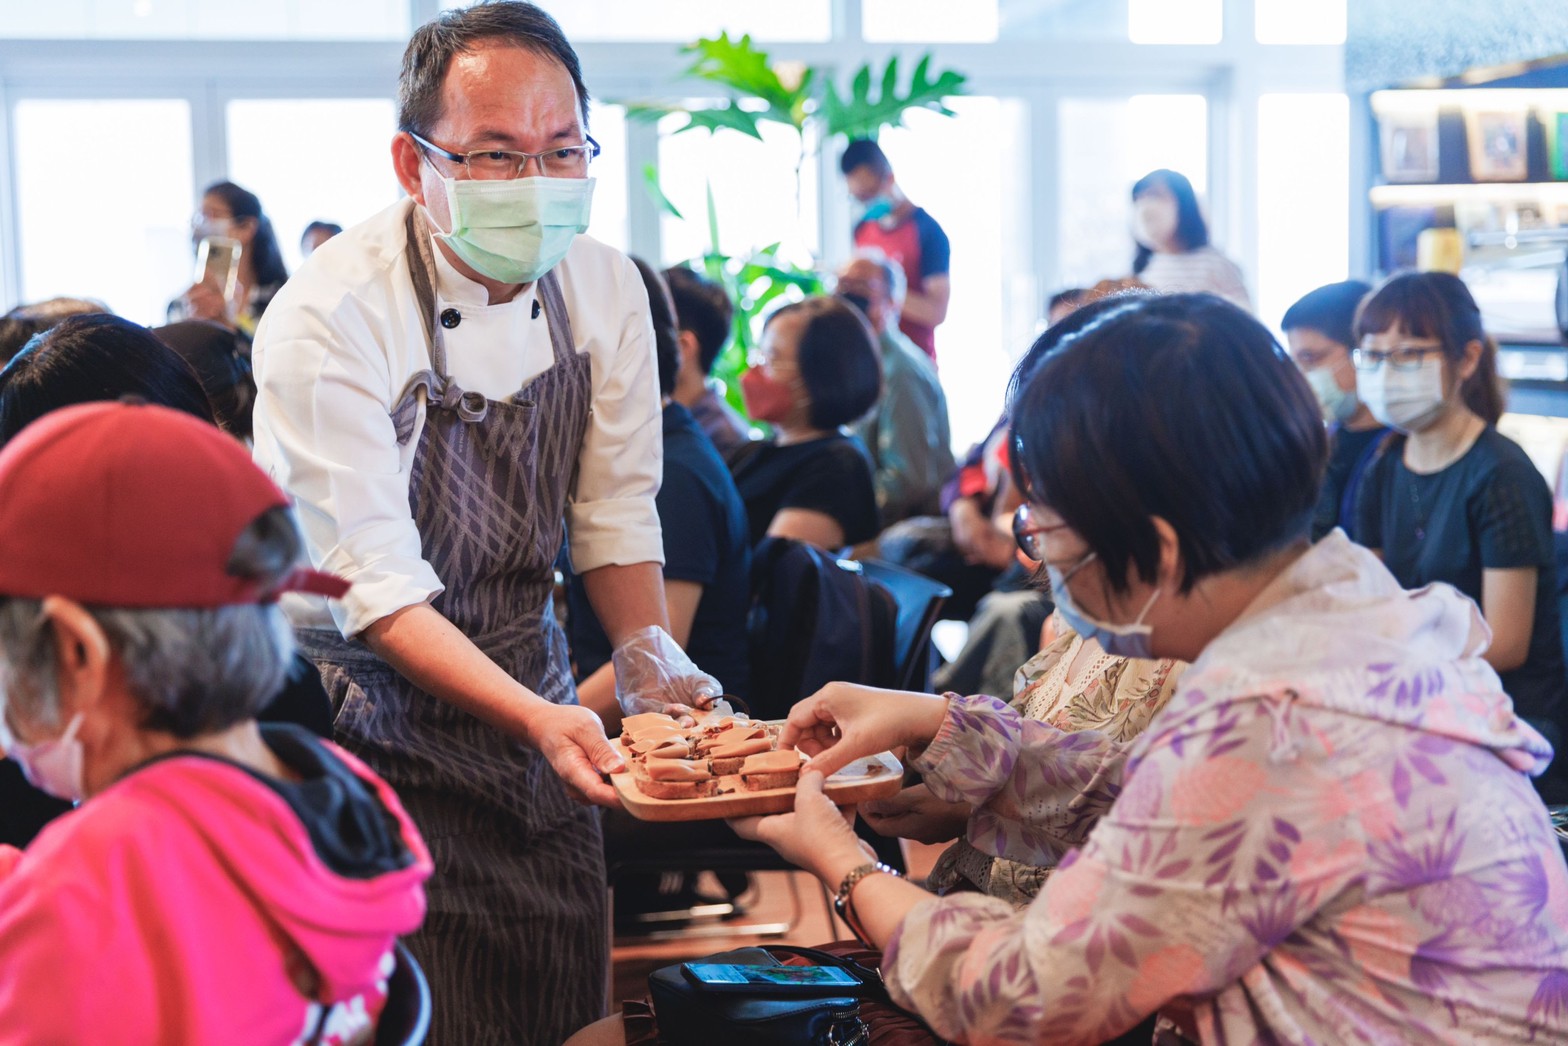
{"type": "Point", "coordinates": [613, 518]}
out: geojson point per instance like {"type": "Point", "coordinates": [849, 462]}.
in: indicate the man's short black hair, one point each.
{"type": "Point", "coordinates": [863, 152]}
{"type": "Point", "coordinates": [838, 359]}
{"type": "Point", "coordinates": [702, 307]}
{"type": "Point", "coordinates": [1330, 310]}
{"type": "Point", "coordinates": [433, 46]}
{"type": "Point", "coordinates": [1179, 406]}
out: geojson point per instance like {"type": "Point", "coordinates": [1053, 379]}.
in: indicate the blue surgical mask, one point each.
{"type": "Point", "coordinates": [876, 208]}
{"type": "Point", "coordinates": [1119, 640]}
{"type": "Point", "coordinates": [1339, 405]}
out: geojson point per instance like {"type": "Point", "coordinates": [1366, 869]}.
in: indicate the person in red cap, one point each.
{"type": "Point", "coordinates": [219, 881]}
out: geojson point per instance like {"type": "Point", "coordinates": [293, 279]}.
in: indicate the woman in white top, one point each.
{"type": "Point", "coordinates": [1174, 255]}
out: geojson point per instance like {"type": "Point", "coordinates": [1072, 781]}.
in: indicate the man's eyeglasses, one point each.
{"type": "Point", "coordinates": [1399, 357]}
{"type": "Point", "coordinates": [568, 161]}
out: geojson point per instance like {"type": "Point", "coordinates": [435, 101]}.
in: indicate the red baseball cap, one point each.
{"type": "Point", "coordinates": [131, 505]}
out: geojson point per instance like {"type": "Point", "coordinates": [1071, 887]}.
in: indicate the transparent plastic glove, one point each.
{"type": "Point", "coordinates": [653, 673]}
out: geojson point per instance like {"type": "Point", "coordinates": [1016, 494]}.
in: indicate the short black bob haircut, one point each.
{"type": "Point", "coordinates": [1191, 230]}
{"type": "Point", "coordinates": [702, 307]}
{"type": "Point", "coordinates": [863, 152]}
{"type": "Point", "coordinates": [1330, 310]}
{"type": "Point", "coordinates": [838, 359]}
{"type": "Point", "coordinates": [86, 359]}
{"type": "Point", "coordinates": [1180, 406]}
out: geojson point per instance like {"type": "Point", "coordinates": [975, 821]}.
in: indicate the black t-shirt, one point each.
{"type": "Point", "coordinates": [1491, 509]}
{"type": "Point", "coordinates": [705, 542]}
{"type": "Point", "coordinates": [1349, 458]}
{"type": "Point", "coordinates": [831, 475]}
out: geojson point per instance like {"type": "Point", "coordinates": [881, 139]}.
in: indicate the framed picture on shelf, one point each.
{"type": "Point", "coordinates": [1409, 145]}
{"type": "Point", "coordinates": [1497, 144]}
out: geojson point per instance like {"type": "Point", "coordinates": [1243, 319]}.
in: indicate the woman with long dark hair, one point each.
{"type": "Point", "coordinates": [234, 213]}
{"type": "Point", "coordinates": [1174, 254]}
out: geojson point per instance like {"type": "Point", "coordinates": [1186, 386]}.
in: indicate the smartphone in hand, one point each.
{"type": "Point", "coordinates": [218, 264]}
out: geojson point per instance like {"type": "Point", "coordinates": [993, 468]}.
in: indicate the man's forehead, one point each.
{"type": "Point", "coordinates": [863, 270]}
{"type": "Point", "coordinates": [502, 92]}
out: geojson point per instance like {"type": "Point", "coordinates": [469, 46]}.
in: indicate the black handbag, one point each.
{"type": "Point", "coordinates": [690, 1016]}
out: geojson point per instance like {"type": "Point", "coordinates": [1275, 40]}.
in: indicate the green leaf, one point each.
{"type": "Point", "coordinates": [713, 222]}
{"type": "Point", "coordinates": [744, 69]}
{"type": "Point", "coordinates": [731, 116]}
{"type": "Point", "coordinates": [650, 182]}
{"type": "Point", "coordinates": [862, 115]}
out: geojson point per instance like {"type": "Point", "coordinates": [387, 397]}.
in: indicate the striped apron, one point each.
{"type": "Point", "coordinates": [515, 942]}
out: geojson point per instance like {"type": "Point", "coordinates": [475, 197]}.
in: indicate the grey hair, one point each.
{"type": "Point", "coordinates": [194, 671]}
{"type": "Point", "coordinates": [433, 46]}
{"type": "Point", "coordinates": [892, 272]}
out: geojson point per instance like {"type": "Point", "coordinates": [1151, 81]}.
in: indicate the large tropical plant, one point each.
{"type": "Point", "coordinates": [804, 98]}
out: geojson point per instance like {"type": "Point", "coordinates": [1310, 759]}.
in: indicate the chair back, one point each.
{"type": "Point", "coordinates": [815, 619]}
{"type": "Point", "coordinates": [405, 1021]}
{"type": "Point", "coordinates": [919, 600]}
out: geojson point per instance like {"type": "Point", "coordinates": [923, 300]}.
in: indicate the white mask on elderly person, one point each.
{"type": "Point", "coordinates": [53, 766]}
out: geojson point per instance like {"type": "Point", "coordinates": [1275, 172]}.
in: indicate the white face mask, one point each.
{"type": "Point", "coordinates": [1338, 405]}
{"type": "Point", "coordinates": [516, 230]}
{"type": "Point", "coordinates": [55, 766]}
{"type": "Point", "coordinates": [1403, 399]}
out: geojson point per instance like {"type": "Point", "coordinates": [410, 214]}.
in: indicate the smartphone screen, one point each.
{"type": "Point", "coordinates": [218, 263]}
{"type": "Point", "coordinates": [776, 978]}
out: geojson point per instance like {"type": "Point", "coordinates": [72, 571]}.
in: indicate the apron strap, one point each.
{"type": "Point", "coordinates": [422, 270]}
{"type": "Point", "coordinates": [549, 291]}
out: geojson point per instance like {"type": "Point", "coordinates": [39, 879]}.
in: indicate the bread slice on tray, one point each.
{"type": "Point", "coordinates": [765, 770]}
{"type": "Point", "coordinates": [676, 779]}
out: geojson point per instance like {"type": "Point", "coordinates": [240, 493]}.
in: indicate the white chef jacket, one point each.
{"type": "Point", "coordinates": [338, 345]}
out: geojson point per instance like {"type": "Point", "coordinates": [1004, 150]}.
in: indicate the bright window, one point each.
{"type": "Point", "coordinates": [754, 191]}
{"type": "Point", "coordinates": [120, 234]}
{"type": "Point", "coordinates": [1105, 145]}
{"type": "Point", "coordinates": [1300, 22]}
{"type": "Point", "coordinates": [208, 19]}
{"type": "Point", "coordinates": [1303, 197]}
{"type": "Point", "coordinates": [309, 159]}
{"type": "Point", "coordinates": [1176, 21]}
{"type": "Point", "coordinates": [687, 19]}
{"type": "Point", "coordinates": [982, 21]}
{"type": "Point", "coordinates": [607, 124]}
{"type": "Point", "coordinates": [984, 211]}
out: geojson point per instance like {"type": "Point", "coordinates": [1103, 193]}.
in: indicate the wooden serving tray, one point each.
{"type": "Point", "coordinates": [856, 783]}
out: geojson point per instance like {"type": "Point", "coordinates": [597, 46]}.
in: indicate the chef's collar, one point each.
{"type": "Point", "coordinates": [453, 288]}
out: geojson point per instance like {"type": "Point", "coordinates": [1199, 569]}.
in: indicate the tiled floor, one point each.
{"type": "Point", "coordinates": [633, 960]}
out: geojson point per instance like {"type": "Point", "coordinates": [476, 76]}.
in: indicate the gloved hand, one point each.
{"type": "Point", "coordinates": [653, 673]}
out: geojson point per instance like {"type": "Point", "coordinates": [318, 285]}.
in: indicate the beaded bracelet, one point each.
{"type": "Point", "coordinates": [842, 903]}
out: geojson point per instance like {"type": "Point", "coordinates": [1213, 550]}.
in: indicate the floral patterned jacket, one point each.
{"type": "Point", "coordinates": [1327, 836]}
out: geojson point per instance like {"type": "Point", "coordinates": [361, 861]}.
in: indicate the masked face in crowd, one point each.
{"type": "Point", "coordinates": [772, 386]}
{"type": "Point", "coordinates": [508, 218]}
{"type": "Point", "coordinates": [1327, 367]}
{"type": "Point", "coordinates": [1155, 219]}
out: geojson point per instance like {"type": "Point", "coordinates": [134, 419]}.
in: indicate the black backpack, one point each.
{"type": "Point", "coordinates": [814, 619]}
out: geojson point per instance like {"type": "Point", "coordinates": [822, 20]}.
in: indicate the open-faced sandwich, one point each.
{"type": "Point", "coordinates": [777, 769]}
{"type": "Point", "coordinates": [675, 779]}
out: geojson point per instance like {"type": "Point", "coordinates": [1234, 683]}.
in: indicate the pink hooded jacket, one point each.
{"type": "Point", "coordinates": [188, 903]}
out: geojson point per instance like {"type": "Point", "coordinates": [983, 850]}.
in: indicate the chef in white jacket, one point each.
{"type": "Point", "coordinates": [440, 389]}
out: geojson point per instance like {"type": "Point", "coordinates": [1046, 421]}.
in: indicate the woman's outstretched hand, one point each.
{"type": "Point", "coordinates": [843, 722]}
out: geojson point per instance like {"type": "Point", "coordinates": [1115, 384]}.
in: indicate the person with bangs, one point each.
{"type": "Point", "coordinates": [1327, 835]}
{"type": "Point", "coordinates": [1454, 500]}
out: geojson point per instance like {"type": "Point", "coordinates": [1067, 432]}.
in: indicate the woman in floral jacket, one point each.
{"type": "Point", "coordinates": [1328, 835]}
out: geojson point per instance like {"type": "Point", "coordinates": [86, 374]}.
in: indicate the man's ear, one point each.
{"type": "Point", "coordinates": [690, 350]}
{"type": "Point", "coordinates": [81, 653]}
{"type": "Point", "coordinates": [406, 164]}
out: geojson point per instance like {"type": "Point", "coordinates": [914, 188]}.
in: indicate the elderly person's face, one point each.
{"type": "Point", "coordinates": [864, 278]}
{"type": "Point", "coordinates": [495, 96]}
